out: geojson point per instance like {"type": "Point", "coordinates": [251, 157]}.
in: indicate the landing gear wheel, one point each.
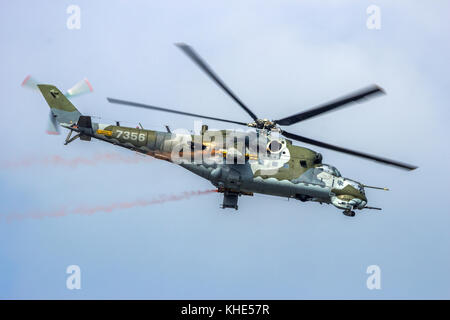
{"type": "Point", "coordinates": [349, 213]}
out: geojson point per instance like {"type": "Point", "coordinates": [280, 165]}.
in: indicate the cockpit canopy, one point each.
{"type": "Point", "coordinates": [330, 169]}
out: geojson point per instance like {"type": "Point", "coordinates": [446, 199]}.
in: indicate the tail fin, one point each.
{"type": "Point", "coordinates": [62, 109]}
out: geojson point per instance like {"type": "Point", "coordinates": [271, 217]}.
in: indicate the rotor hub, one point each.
{"type": "Point", "coordinates": [262, 124]}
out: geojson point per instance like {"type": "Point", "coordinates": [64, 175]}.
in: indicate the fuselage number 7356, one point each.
{"type": "Point", "coordinates": [127, 135]}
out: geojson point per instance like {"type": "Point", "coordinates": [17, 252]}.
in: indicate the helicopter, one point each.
{"type": "Point", "coordinates": [262, 160]}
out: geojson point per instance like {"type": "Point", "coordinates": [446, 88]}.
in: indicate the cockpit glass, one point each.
{"type": "Point", "coordinates": [338, 174]}
{"type": "Point", "coordinates": [331, 170]}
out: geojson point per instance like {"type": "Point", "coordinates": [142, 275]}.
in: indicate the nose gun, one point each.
{"type": "Point", "coordinates": [378, 188]}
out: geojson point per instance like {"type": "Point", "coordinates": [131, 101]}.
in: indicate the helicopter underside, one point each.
{"type": "Point", "coordinates": [237, 180]}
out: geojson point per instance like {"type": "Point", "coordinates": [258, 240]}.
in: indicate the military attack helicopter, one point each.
{"type": "Point", "coordinates": [262, 160]}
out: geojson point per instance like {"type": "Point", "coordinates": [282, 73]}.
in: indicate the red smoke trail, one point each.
{"type": "Point", "coordinates": [89, 210]}
{"type": "Point", "coordinates": [75, 162]}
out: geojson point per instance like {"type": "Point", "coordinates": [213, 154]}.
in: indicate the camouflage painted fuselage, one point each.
{"type": "Point", "coordinates": [281, 169]}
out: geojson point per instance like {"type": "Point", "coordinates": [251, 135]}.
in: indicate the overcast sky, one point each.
{"type": "Point", "coordinates": [280, 57]}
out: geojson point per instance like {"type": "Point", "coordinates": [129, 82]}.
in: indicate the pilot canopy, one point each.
{"type": "Point", "coordinates": [329, 169]}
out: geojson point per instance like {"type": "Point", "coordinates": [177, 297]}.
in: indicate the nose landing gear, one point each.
{"type": "Point", "coordinates": [349, 213]}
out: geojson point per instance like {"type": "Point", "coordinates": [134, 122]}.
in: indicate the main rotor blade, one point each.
{"type": "Point", "coordinates": [202, 64]}
{"type": "Point", "coordinates": [348, 151]}
{"type": "Point", "coordinates": [146, 106]}
{"type": "Point", "coordinates": [332, 105]}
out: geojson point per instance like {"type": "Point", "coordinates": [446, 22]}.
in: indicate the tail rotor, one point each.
{"type": "Point", "coordinates": [80, 88]}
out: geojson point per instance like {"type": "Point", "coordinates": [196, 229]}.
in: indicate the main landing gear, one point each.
{"type": "Point", "coordinates": [230, 200]}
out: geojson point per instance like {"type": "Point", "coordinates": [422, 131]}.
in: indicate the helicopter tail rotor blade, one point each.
{"type": "Point", "coordinates": [52, 125]}
{"type": "Point", "coordinates": [30, 83]}
{"type": "Point", "coordinates": [202, 64]}
{"type": "Point", "coordinates": [81, 87]}
{"type": "Point", "coordinates": [394, 163]}
{"type": "Point", "coordinates": [356, 96]}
